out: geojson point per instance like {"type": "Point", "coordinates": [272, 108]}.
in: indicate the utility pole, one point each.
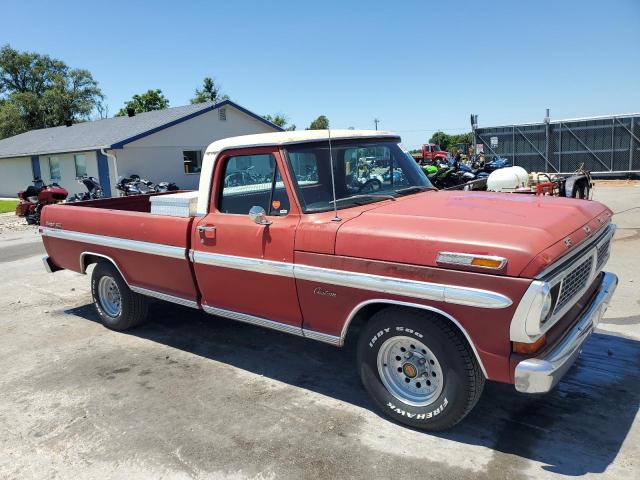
{"type": "Point", "coordinates": [376, 121]}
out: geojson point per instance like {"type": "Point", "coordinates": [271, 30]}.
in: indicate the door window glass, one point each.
{"type": "Point", "coordinates": [253, 180]}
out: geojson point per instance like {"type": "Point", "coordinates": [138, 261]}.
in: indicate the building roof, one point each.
{"type": "Point", "coordinates": [107, 133]}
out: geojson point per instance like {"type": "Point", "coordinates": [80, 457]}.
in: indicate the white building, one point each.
{"type": "Point", "coordinates": [162, 145]}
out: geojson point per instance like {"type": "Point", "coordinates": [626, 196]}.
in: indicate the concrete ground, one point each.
{"type": "Point", "coordinates": [193, 396]}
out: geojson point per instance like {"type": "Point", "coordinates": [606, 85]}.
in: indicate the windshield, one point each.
{"type": "Point", "coordinates": [365, 172]}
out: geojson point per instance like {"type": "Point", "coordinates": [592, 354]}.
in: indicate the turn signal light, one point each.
{"type": "Point", "coordinates": [527, 348]}
{"type": "Point", "coordinates": [486, 262]}
{"type": "Point", "coordinates": [471, 260]}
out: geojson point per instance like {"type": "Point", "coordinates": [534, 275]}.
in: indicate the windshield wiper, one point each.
{"type": "Point", "coordinates": [414, 189]}
{"type": "Point", "coordinates": [368, 196]}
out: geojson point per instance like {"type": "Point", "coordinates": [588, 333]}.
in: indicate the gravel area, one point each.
{"type": "Point", "coordinates": [10, 223]}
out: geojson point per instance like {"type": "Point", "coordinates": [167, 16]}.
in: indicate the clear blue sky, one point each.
{"type": "Point", "coordinates": [416, 65]}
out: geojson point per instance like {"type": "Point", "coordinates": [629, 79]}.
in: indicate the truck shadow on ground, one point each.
{"type": "Point", "coordinates": [576, 429]}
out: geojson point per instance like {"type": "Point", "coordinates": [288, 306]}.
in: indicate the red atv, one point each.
{"type": "Point", "coordinates": [37, 196]}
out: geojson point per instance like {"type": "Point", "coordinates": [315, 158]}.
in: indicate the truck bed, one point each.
{"type": "Point", "coordinates": [151, 251]}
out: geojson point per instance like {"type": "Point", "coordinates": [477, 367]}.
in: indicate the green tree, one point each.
{"type": "Point", "coordinates": [37, 91]}
{"type": "Point", "coordinates": [145, 102]}
{"type": "Point", "coordinates": [210, 92]}
{"type": "Point", "coordinates": [281, 121]}
{"type": "Point", "coordinates": [448, 142]}
{"type": "Point", "coordinates": [441, 138]}
{"type": "Point", "coordinates": [320, 123]}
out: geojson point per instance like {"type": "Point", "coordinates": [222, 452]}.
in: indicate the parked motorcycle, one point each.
{"type": "Point", "coordinates": [166, 187]}
{"type": "Point", "coordinates": [480, 166]}
{"type": "Point", "coordinates": [134, 185]}
{"type": "Point", "coordinates": [94, 190]}
{"type": "Point", "coordinates": [449, 176]}
{"type": "Point", "coordinates": [36, 196]}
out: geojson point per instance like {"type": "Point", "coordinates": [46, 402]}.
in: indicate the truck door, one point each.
{"type": "Point", "coordinates": [241, 266]}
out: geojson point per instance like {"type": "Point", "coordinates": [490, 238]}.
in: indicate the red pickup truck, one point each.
{"type": "Point", "coordinates": [442, 290]}
{"type": "Point", "coordinates": [431, 153]}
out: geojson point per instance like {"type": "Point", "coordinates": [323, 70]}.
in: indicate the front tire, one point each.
{"type": "Point", "coordinates": [418, 369]}
{"type": "Point", "coordinates": [119, 308]}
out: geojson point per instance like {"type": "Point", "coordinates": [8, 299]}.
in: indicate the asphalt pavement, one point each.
{"type": "Point", "coordinates": [189, 395]}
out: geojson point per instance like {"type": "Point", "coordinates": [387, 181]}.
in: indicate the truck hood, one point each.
{"type": "Point", "coordinates": [414, 229]}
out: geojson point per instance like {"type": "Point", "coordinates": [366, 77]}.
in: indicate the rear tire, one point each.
{"type": "Point", "coordinates": [580, 191]}
{"type": "Point", "coordinates": [119, 308]}
{"type": "Point", "coordinates": [418, 369]}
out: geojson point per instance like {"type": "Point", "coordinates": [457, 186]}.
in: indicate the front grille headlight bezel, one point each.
{"type": "Point", "coordinates": [538, 309]}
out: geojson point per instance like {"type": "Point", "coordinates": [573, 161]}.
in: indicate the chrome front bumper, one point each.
{"type": "Point", "coordinates": [539, 375]}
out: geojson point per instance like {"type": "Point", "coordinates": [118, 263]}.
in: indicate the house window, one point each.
{"type": "Point", "coordinates": [81, 165]}
{"type": "Point", "coordinates": [54, 168]}
{"type": "Point", "coordinates": [222, 114]}
{"type": "Point", "coordinates": [192, 161]}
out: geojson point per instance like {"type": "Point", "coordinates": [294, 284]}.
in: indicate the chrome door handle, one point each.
{"type": "Point", "coordinates": [209, 228]}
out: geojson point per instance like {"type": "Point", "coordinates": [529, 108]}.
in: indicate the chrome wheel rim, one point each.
{"type": "Point", "coordinates": [410, 371]}
{"type": "Point", "coordinates": [109, 296]}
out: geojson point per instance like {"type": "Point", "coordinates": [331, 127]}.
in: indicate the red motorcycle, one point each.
{"type": "Point", "coordinates": [37, 196]}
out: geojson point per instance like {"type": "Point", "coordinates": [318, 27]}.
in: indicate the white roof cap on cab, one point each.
{"type": "Point", "coordinates": [296, 136]}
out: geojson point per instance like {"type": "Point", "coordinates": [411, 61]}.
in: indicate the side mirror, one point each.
{"type": "Point", "coordinates": [259, 216]}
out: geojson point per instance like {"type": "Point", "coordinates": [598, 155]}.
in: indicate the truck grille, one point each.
{"type": "Point", "coordinates": [603, 253]}
{"type": "Point", "coordinates": [574, 282]}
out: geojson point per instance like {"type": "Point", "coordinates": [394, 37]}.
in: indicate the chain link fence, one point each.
{"type": "Point", "coordinates": [602, 145]}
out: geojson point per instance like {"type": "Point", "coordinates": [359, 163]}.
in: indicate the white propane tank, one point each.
{"type": "Point", "coordinates": [507, 179]}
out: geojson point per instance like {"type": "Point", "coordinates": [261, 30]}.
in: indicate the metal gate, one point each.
{"type": "Point", "coordinates": [601, 144]}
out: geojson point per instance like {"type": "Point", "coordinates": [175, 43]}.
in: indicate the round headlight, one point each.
{"type": "Point", "coordinates": [545, 308]}
{"type": "Point", "coordinates": [540, 303]}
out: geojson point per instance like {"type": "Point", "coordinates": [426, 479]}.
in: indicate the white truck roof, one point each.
{"type": "Point", "coordinates": [265, 140]}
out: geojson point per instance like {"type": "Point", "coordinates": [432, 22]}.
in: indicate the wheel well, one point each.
{"type": "Point", "coordinates": [364, 312]}
{"type": "Point", "coordinates": [89, 258]}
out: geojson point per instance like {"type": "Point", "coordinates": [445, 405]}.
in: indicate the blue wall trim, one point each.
{"type": "Point", "coordinates": [103, 173]}
{"type": "Point", "coordinates": [35, 166]}
{"type": "Point", "coordinates": [122, 143]}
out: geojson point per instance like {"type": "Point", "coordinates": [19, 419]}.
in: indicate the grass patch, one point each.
{"type": "Point", "coordinates": [8, 206]}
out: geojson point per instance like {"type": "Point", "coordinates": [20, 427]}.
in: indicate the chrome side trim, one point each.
{"type": "Point", "coordinates": [166, 297]}
{"type": "Point", "coordinates": [258, 265]}
{"type": "Point", "coordinates": [116, 242]}
{"type": "Point", "coordinates": [541, 374]}
{"type": "Point", "coordinates": [281, 327]}
{"type": "Point", "coordinates": [364, 281]}
{"type": "Point", "coordinates": [361, 305]}
{"type": "Point", "coordinates": [246, 318]}
{"type": "Point", "coordinates": [322, 337]}
{"type": "Point", "coordinates": [403, 287]}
